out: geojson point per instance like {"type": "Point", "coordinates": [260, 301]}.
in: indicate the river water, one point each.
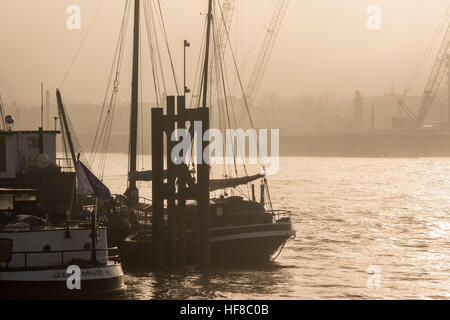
{"type": "Point", "coordinates": [367, 228]}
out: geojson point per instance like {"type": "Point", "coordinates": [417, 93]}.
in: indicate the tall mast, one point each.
{"type": "Point", "coordinates": [205, 68]}
{"type": "Point", "coordinates": [42, 105]}
{"type": "Point", "coordinates": [132, 189]}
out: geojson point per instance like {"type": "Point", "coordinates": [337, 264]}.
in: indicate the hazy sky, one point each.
{"type": "Point", "coordinates": [324, 45]}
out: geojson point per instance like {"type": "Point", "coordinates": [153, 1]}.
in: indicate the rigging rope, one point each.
{"type": "Point", "coordinates": [238, 76]}
{"type": "Point", "coordinates": [5, 85]}
{"type": "Point", "coordinates": [81, 44]}
{"type": "Point", "coordinates": [101, 141]}
{"type": "Point", "coordinates": [195, 99]}
{"type": "Point", "coordinates": [167, 46]}
{"type": "Point", "coordinates": [154, 57]}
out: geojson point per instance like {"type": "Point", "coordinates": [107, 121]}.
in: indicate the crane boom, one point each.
{"type": "Point", "coordinates": [272, 31]}
{"type": "Point", "coordinates": [410, 114]}
{"type": "Point", "coordinates": [227, 13]}
{"type": "Point", "coordinates": [435, 78]}
{"type": "Point", "coordinates": [222, 25]}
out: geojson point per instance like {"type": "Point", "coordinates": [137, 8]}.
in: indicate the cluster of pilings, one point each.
{"type": "Point", "coordinates": [173, 189]}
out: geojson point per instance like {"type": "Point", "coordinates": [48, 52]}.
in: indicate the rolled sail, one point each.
{"type": "Point", "coordinates": [216, 184]}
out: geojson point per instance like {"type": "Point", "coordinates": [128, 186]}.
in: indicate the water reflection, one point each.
{"type": "Point", "coordinates": [217, 283]}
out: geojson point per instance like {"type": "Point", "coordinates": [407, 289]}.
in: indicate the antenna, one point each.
{"type": "Point", "coordinates": [55, 118]}
{"type": "Point", "coordinates": [42, 105]}
{"type": "Point", "coordinates": [186, 45]}
{"type": "Point", "coordinates": [47, 109]}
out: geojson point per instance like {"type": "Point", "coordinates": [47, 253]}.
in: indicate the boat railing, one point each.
{"type": "Point", "coordinates": [280, 214]}
{"type": "Point", "coordinates": [145, 200]}
{"type": "Point", "coordinates": [65, 164]}
{"type": "Point", "coordinates": [113, 258]}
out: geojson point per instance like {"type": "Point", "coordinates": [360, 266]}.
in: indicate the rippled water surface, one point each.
{"type": "Point", "coordinates": [353, 217]}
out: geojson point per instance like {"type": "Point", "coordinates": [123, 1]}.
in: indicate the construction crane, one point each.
{"type": "Point", "coordinates": [272, 30]}
{"type": "Point", "coordinates": [435, 78]}
{"type": "Point", "coordinates": [226, 17]}
{"type": "Point", "coordinates": [432, 85]}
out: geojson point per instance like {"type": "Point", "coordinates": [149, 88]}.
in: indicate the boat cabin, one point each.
{"type": "Point", "coordinates": [18, 201]}
{"type": "Point", "coordinates": [231, 211]}
{"type": "Point", "coordinates": [28, 160]}
{"type": "Point", "coordinates": [23, 151]}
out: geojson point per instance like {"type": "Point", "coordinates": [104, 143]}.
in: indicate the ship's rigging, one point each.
{"type": "Point", "coordinates": [208, 91]}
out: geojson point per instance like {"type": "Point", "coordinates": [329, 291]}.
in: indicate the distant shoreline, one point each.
{"type": "Point", "coordinates": [376, 144]}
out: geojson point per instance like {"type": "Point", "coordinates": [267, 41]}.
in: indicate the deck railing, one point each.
{"type": "Point", "coordinates": [65, 164]}
{"type": "Point", "coordinates": [114, 258]}
{"type": "Point", "coordinates": [277, 216]}
{"type": "Point", "coordinates": [280, 214]}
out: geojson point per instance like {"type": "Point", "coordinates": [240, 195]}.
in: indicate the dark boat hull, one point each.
{"type": "Point", "coordinates": [250, 244]}
{"type": "Point", "coordinates": [229, 245]}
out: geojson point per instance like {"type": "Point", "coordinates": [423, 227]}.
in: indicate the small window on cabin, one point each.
{"type": "Point", "coordinates": [6, 201]}
{"type": "Point", "coordinates": [2, 154]}
{"type": "Point", "coordinates": [25, 197]}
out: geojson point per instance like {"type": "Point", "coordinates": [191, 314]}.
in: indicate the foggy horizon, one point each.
{"type": "Point", "coordinates": [324, 48]}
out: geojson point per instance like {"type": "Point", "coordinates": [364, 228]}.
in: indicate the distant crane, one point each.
{"type": "Point", "coordinates": [432, 85]}
{"type": "Point", "coordinates": [272, 30]}
{"type": "Point", "coordinates": [224, 13]}
{"type": "Point", "coordinates": [227, 14]}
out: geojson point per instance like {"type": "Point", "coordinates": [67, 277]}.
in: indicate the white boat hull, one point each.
{"type": "Point", "coordinates": [44, 283]}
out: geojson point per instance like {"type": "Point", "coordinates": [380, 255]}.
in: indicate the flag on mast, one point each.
{"type": "Point", "coordinates": [89, 183]}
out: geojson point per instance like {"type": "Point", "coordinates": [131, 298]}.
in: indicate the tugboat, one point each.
{"type": "Point", "coordinates": [43, 252]}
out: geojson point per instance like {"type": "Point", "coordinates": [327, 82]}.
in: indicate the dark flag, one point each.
{"type": "Point", "coordinates": [89, 183]}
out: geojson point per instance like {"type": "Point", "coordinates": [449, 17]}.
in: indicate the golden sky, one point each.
{"type": "Point", "coordinates": [324, 45]}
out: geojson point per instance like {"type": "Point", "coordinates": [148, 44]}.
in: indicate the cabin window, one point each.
{"type": "Point", "coordinates": [6, 201]}
{"type": "Point", "coordinates": [2, 154]}
{"type": "Point", "coordinates": [25, 197]}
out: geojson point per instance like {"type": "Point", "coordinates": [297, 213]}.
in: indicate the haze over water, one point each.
{"type": "Point", "coordinates": [350, 214]}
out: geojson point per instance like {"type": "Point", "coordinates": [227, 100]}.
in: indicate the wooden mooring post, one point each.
{"type": "Point", "coordinates": [177, 186]}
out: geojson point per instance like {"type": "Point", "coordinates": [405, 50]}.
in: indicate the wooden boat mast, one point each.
{"type": "Point", "coordinates": [206, 65]}
{"type": "Point", "coordinates": [132, 191]}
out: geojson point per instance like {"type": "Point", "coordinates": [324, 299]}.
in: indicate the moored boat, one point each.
{"type": "Point", "coordinates": [40, 260]}
{"type": "Point", "coordinates": [241, 232]}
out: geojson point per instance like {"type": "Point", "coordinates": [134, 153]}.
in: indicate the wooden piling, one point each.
{"type": "Point", "coordinates": [181, 205]}
{"type": "Point", "coordinates": [169, 127]}
{"type": "Point", "coordinates": [157, 187]}
{"type": "Point", "coordinates": [203, 196]}
{"type": "Point", "coordinates": [187, 188]}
